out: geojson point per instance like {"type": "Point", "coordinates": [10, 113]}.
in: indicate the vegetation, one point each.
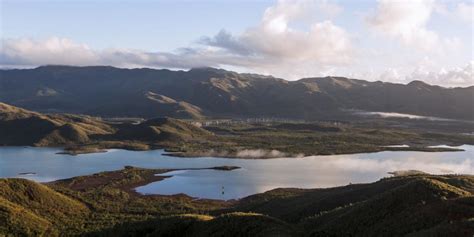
{"type": "Point", "coordinates": [105, 204]}
{"type": "Point", "coordinates": [296, 139]}
{"type": "Point", "coordinates": [411, 203]}
{"type": "Point", "coordinates": [29, 208]}
{"type": "Point", "coordinates": [230, 224]}
{"type": "Point", "coordinates": [82, 134]}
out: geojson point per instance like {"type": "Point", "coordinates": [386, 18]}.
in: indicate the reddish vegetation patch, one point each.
{"type": "Point", "coordinates": [126, 179]}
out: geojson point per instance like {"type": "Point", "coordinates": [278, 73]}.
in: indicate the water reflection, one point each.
{"type": "Point", "coordinates": [254, 177]}
{"type": "Point", "coordinates": [310, 172]}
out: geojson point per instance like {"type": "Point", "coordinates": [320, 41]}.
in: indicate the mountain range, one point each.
{"type": "Point", "coordinates": [217, 93]}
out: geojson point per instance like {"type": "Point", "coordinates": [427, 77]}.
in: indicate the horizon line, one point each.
{"type": "Point", "coordinates": [6, 68]}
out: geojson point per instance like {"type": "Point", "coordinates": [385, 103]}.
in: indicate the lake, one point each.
{"type": "Point", "coordinates": [255, 176]}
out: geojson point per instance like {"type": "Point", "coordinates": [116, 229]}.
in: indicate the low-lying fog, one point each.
{"type": "Point", "coordinates": [400, 115]}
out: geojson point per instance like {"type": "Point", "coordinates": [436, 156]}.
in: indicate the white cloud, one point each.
{"type": "Point", "coordinates": [274, 41]}
{"type": "Point", "coordinates": [391, 75]}
{"type": "Point", "coordinates": [63, 51]}
{"type": "Point", "coordinates": [465, 11]}
{"type": "Point", "coordinates": [50, 51]}
{"type": "Point", "coordinates": [448, 77]}
{"type": "Point", "coordinates": [275, 47]}
{"type": "Point", "coordinates": [406, 21]}
{"type": "Point", "coordinates": [457, 76]}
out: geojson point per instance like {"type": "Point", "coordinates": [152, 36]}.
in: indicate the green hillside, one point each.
{"type": "Point", "coordinates": [105, 204]}
{"type": "Point", "coordinates": [31, 208]}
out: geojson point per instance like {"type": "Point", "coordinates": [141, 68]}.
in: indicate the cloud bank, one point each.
{"type": "Point", "coordinates": [458, 76]}
{"type": "Point", "coordinates": [268, 45]}
{"type": "Point", "coordinates": [55, 50]}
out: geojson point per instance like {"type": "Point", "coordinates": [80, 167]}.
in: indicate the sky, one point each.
{"type": "Point", "coordinates": [390, 40]}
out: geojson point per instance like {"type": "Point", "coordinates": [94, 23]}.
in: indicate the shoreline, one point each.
{"type": "Point", "coordinates": [119, 179]}
{"type": "Point", "coordinates": [107, 203]}
{"type": "Point", "coordinates": [80, 150]}
{"type": "Point", "coordinates": [84, 183]}
{"type": "Point", "coordinates": [394, 149]}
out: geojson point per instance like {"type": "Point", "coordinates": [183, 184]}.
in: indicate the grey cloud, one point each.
{"type": "Point", "coordinates": [227, 41]}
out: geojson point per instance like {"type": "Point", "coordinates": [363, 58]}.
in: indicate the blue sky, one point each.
{"type": "Point", "coordinates": [396, 41]}
{"type": "Point", "coordinates": [147, 25]}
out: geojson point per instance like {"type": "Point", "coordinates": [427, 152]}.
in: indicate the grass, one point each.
{"type": "Point", "coordinates": [36, 208]}
{"type": "Point", "coordinates": [22, 222]}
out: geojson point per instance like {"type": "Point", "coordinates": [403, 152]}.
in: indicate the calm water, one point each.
{"type": "Point", "coordinates": [254, 177]}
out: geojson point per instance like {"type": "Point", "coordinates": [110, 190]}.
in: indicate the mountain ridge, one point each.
{"type": "Point", "coordinates": [59, 66]}
{"type": "Point", "coordinates": [218, 93]}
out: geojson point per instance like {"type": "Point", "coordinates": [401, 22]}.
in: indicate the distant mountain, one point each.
{"type": "Point", "coordinates": [210, 92]}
